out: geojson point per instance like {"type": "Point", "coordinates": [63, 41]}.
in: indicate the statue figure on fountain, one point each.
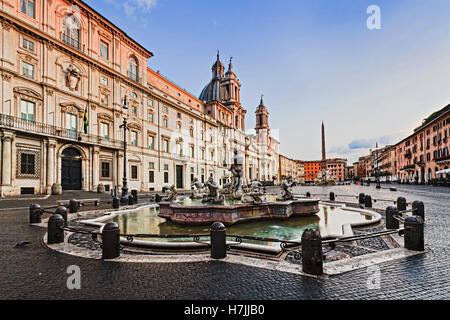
{"type": "Point", "coordinates": [198, 189]}
{"type": "Point", "coordinates": [213, 194]}
{"type": "Point", "coordinates": [254, 195]}
{"type": "Point", "coordinates": [171, 193]}
{"type": "Point", "coordinates": [238, 173]}
{"type": "Point", "coordinates": [286, 189]}
{"type": "Point", "coordinates": [324, 178]}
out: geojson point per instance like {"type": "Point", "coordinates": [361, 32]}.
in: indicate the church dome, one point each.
{"type": "Point", "coordinates": [211, 92]}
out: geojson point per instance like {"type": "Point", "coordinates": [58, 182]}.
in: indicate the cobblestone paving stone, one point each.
{"type": "Point", "coordinates": [35, 272]}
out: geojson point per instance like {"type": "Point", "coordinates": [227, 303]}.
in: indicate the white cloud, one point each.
{"type": "Point", "coordinates": [133, 7]}
{"type": "Point", "coordinates": [143, 6]}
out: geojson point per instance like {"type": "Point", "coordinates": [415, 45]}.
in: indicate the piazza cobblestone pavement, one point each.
{"type": "Point", "coordinates": [36, 272]}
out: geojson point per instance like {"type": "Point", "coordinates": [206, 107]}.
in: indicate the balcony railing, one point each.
{"type": "Point", "coordinates": [74, 43]}
{"type": "Point", "coordinates": [53, 131]}
{"type": "Point", "coordinates": [134, 76]}
{"type": "Point", "coordinates": [442, 158]}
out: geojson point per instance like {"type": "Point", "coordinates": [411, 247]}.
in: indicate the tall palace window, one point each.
{"type": "Point", "coordinates": [133, 69]}
{"type": "Point", "coordinates": [28, 7]}
{"type": "Point", "coordinates": [71, 31]}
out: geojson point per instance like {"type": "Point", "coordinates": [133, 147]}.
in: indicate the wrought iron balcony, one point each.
{"type": "Point", "coordinates": [74, 43]}
{"type": "Point", "coordinates": [32, 127]}
{"type": "Point", "coordinates": [442, 158]}
{"type": "Point", "coordinates": [134, 76]}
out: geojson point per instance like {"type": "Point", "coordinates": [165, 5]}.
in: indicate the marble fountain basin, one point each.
{"type": "Point", "coordinates": [189, 211]}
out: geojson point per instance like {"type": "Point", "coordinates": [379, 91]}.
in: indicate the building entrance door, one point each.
{"type": "Point", "coordinates": [179, 172]}
{"type": "Point", "coordinates": [71, 169]}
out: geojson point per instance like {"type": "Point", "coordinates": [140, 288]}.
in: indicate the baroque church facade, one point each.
{"type": "Point", "coordinates": [65, 70]}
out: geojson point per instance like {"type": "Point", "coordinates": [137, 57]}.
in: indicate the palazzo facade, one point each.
{"type": "Point", "coordinates": [65, 71]}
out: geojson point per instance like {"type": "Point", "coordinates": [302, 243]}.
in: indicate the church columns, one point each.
{"type": "Point", "coordinates": [95, 167]}
{"type": "Point", "coordinates": [7, 140]}
{"type": "Point", "coordinates": [51, 145]}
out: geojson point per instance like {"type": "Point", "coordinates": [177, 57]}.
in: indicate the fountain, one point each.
{"type": "Point", "coordinates": [243, 204]}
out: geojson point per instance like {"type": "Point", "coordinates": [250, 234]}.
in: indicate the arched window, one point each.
{"type": "Point", "coordinates": [71, 31]}
{"type": "Point", "coordinates": [133, 69]}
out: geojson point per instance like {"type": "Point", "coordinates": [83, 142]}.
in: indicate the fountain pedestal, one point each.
{"type": "Point", "coordinates": [238, 213]}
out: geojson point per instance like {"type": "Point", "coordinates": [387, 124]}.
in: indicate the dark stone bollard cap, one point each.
{"type": "Point", "coordinates": [56, 217]}
{"type": "Point", "coordinates": [391, 208]}
{"type": "Point", "coordinates": [311, 234]}
{"type": "Point", "coordinates": [218, 226]}
{"type": "Point", "coordinates": [34, 206]}
{"type": "Point", "coordinates": [414, 220]}
{"type": "Point", "coordinates": [111, 226]}
{"type": "Point", "coordinates": [61, 209]}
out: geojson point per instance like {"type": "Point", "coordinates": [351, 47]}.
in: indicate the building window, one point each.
{"type": "Point", "coordinates": [166, 167]}
{"type": "Point", "coordinates": [134, 138]}
{"type": "Point", "coordinates": [166, 177]}
{"type": "Point", "coordinates": [165, 123]}
{"type": "Point", "coordinates": [27, 110]}
{"type": "Point", "coordinates": [134, 172]}
{"type": "Point", "coordinates": [150, 102]}
{"type": "Point", "coordinates": [203, 154]}
{"type": "Point", "coordinates": [71, 31]}
{"type": "Point", "coordinates": [191, 132]}
{"type": "Point", "coordinates": [133, 69]}
{"type": "Point", "coordinates": [104, 80]}
{"type": "Point", "coordinates": [27, 44]}
{"type": "Point", "coordinates": [104, 48]}
{"type": "Point", "coordinates": [106, 170]}
{"type": "Point", "coordinates": [27, 70]}
{"type": "Point", "coordinates": [28, 163]}
{"type": "Point", "coordinates": [192, 151]}
{"type": "Point", "coordinates": [165, 109]}
{"type": "Point", "coordinates": [179, 149]}
{"type": "Point", "coordinates": [150, 117]}
{"type": "Point", "coordinates": [165, 145]}
{"type": "Point", "coordinates": [28, 7]}
{"type": "Point", "coordinates": [104, 130]}
{"type": "Point", "coordinates": [179, 127]}
{"type": "Point", "coordinates": [134, 110]}
{"type": "Point", "coordinates": [104, 99]}
{"type": "Point", "coordinates": [151, 142]}
{"type": "Point", "coordinates": [151, 176]}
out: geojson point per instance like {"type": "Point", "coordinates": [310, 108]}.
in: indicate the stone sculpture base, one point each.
{"type": "Point", "coordinates": [238, 213]}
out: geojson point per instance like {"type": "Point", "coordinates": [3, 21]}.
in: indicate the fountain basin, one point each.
{"type": "Point", "coordinates": [207, 214]}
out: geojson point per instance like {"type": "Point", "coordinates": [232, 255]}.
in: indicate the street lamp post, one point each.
{"type": "Point", "coordinates": [377, 173]}
{"type": "Point", "coordinates": [124, 125]}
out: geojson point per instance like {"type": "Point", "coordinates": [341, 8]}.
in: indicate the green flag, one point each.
{"type": "Point", "coordinates": [86, 121]}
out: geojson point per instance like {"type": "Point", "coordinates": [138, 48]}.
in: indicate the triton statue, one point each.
{"type": "Point", "coordinates": [286, 187]}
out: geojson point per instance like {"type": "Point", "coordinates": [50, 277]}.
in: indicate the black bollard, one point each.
{"type": "Point", "coordinates": [401, 204]}
{"type": "Point", "coordinates": [62, 211]}
{"type": "Point", "coordinates": [218, 241]}
{"type": "Point", "coordinates": [110, 241]}
{"type": "Point", "coordinates": [73, 206]}
{"type": "Point", "coordinates": [35, 213]}
{"type": "Point", "coordinates": [130, 199]}
{"type": "Point", "coordinates": [361, 198]}
{"type": "Point", "coordinates": [157, 198]}
{"type": "Point", "coordinates": [312, 256]}
{"type": "Point", "coordinates": [391, 222]}
{"type": "Point", "coordinates": [55, 233]}
{"type": "Point", "coordinates": [332, 196]}
{"type": "Point", "coordinates": [368, 201]}
{"type": "Point", "coordinates": [419, 209]}
{"type": "Point", "coordinates": [308, 195]}
{"type": "Point", "coordinates": [135, 195]}
{"type": "Point", "coordinates": [414, 233]}
{"type": "Point", "coordinates": [116, 202]}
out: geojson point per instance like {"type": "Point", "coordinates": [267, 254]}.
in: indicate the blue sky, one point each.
{"type": "Point", "coordinates": [313, 60]}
